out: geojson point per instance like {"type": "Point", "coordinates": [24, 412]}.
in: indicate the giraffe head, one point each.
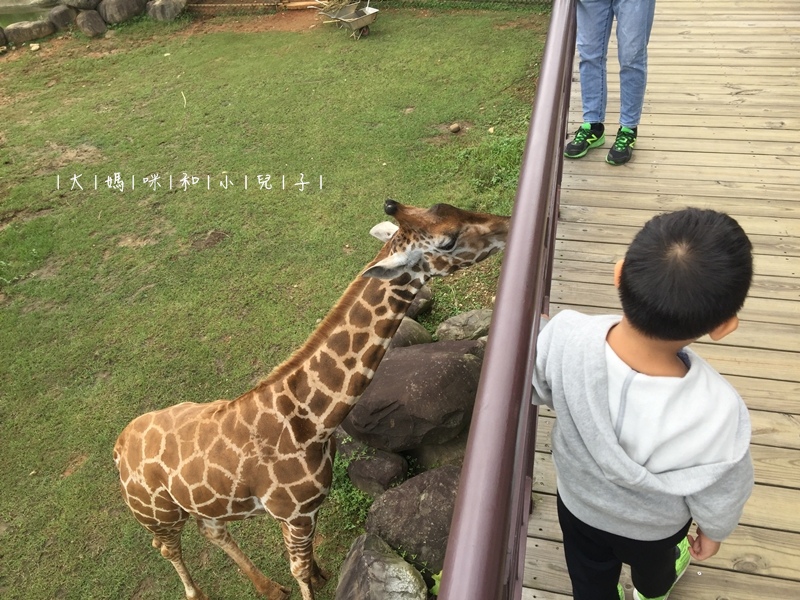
{"type": "Point", "coordinates": [436, 241]}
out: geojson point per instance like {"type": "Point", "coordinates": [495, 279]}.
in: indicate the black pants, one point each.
{"type": "Point", "coordinates": [595, 557]}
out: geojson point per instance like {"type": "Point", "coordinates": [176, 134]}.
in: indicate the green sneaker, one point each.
{"type": "Point", "coordinates": [622, 150]}
{"type": "Point", "coordinates": [589, 135]}
{"type": "Point", "coordinates": [681, 564]}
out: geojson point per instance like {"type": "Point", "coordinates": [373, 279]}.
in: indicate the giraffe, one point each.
{"type": "Point", "coordinates": [271, 449]}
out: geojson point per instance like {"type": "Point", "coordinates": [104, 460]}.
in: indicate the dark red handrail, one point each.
{"type": "Point", "coordinates": [486, 547]}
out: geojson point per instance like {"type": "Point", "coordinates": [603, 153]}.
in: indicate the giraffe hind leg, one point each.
{"type": "Point", "coordinates": [168, 543]}
{"type": "Point", "coordinates": [299, 540]}
{"type": "Point", "coordinates": [217, 533]}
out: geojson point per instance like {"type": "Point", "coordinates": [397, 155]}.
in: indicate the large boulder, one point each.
{"type": "Point", "coordinates": [117, 11]}
{"type": "Point", "coordinates": [415, 517]}
{"type": "Point", "coordinates": [90, 23]}
{"type": "Point", "coordinates": [421, 394]}
{"type": "Point", "coordinates": [26, 31]}
{"type": "Point", "coordinates": [431, 456]}
{"type": "Point", "coordinates": [62, 17]}
{"type": "Point", "coordinates": [3, 40]}
{"type": "Point", "coordinates": [82, 4]}
{"type": "Point", "coordinates": [409, 333]}
{"type": "Point", "coordinates": [165, 10]}
{"type": "Point", "coordinates": [376, 471]}
{"type": "Point", "coordinates": [373, 571]}
{"type": "Point", "coordinates": [470, 325]}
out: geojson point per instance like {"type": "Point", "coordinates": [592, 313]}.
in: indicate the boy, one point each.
{"type": "Point", "coordinates": [648, 436]}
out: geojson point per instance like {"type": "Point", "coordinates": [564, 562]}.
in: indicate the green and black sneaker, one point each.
{"type": "Point", "coordinates": [589, 135]}
{"type": "Point", "coordinates": [622, 150]}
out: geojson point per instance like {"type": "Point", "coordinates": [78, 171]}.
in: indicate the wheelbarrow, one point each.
{"type": "Point", "coordinates": [356, 17]}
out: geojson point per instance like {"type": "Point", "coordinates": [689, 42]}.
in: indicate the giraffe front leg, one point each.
{"type": "Point", "coordinates": [217, 533]}
{"type": "Point", "coordinates": [299, 540]}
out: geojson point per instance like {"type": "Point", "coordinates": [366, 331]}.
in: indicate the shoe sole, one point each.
{"type": "Point", "coordinates": [595, 144]}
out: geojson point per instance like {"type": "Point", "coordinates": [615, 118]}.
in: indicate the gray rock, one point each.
{"type": "Point", "coordinates": [26, 31]}
{"type": "Point", "coordinates": [3, 40]}
{"type": "Point", "coordinates": [165, 10]}
{"type": "Point", "coordinates": [466, 326]}
{"type": "Point", "coordinates": [415, 517]}
{"type": "Point", "coordinates": [81, 4]}
{"type": "Point", "coordinates": [421, 394]}
{"type": "Point", "coordinates": [432, 456]}
{"type": "Point", "coordinates": [373, 571]}
{"type": "Point", "coordinates": [62, 17]}
{"type": "Point", "coordinates": [118, 11]}
{"type": "Point", "coordinates": [377, 471]}
{"type": "Point", "coordinates": [410, 333]}
{"type": "Point", "coordinates": [90, 23]}
{"type": "Point", "coordinates": [422, 302]}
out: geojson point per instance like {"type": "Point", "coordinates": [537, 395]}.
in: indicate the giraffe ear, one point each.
{"type": "Point", "coordinates": [394, 265]}
{"type": "Point", "coordinates": [384, 231]}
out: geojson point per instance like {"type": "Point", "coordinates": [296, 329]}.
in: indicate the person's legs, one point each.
{"type": "Point", "coordinates": [654, 567]}
{"type": "Point", "coordinates": [594, 30]}
{"type": "Point", "coordinates": [634, 23]}
{"type": "Point", "coordinates": [593, 568]}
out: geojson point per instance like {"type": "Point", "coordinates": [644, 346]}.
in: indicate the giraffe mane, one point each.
{"type": "Point", "coordinates": [323, 330]}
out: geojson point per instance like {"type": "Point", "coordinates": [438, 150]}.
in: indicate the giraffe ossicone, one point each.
{"type": "Point", "coordinates": [270, 450]}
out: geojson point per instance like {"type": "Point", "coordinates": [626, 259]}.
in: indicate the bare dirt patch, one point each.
{"type": "Point", "coordinates": [535, 22]}
{"type": "Point", "coordinates": [75, 463]}
{"type": "Point", "coordinates": [447, 132]}
{"type": "Point", "coordinates": [130, 241]}
{"type": "Point", "coordinates": [48, 270]}
{"type": "Point", "coordinates": [208, 240]}
{"type": "Point", "coordinates": [58, 156]}
{"type": "Point", "coordinates": [289, 20]}
{"type": "Point", "coordinates": [18, 217]}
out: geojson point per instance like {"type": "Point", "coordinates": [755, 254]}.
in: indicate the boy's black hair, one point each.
{"type": "Point", "coordinates": [685, 273]}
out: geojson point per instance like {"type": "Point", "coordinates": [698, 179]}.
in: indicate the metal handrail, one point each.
{"type": "Point", "coordinates": [486, 546]}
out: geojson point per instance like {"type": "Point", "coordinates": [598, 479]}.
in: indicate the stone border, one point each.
{"type": "Point", "coordinates": [90, 17]}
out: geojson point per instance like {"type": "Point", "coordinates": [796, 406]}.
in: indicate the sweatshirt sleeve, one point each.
{"type": "Point", "coordinates": [542, 393]}
{"type": "Point", "coordinates": [718, 508]}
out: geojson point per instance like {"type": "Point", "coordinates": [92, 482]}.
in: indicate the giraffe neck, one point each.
{"type": "Point", "coordinates": [316, 388]}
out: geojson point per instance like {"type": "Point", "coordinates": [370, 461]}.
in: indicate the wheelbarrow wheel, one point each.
{"type": "Point", "coordinates": [364, 31]}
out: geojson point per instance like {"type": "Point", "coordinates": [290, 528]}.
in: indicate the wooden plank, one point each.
{"type": "Point", "coordinates": [749, 549]}
{"type": "Point", "coordinates": [545, 569]}
{"type": "Point", "coordinates": [775, 449]}
{"type": "Point", "coordinates": [664, 172]}
{"type": "Point", "coordinates": [756, 309]}
{"type": "Point", "coordinates": [533, 594]}
{"type": "Point", "coordinates": [581, 222]}
{"type": "Point", "coordinates": [616, 182]}
{"type": "Point", "coordinates": [769, 507]}
{"type": "Point", "coordinates": [764, 246]}
{"type": "Point", "coordinates": [635, 200]}
{"type": "Point", "coordinates": [764, 286]}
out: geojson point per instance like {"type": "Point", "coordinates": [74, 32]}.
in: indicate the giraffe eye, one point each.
{"type": "Point", "coordinates": [448, 244]}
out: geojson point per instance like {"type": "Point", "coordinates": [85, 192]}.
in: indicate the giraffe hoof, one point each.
{"type": "Point", "coordinates": [279, 593]}
{"type": "Point", "coordinates": [275, 591]}
{"type": "Point", "coordinates": [319, 579]}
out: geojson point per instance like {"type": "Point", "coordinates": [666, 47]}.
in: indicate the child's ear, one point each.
{"type": "Point", "coordinates": [720, 331]}
{"type": "Point", "coordinates": [618, 272]}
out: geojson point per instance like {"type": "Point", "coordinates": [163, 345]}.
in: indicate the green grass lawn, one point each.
{"type": "Point", "coordinates": [114, 303]}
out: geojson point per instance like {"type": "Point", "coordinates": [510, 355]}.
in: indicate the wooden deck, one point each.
{"type": "Point", "coordinates": [720, 130]}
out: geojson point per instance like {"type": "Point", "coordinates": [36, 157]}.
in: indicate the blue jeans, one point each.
{"type": "Point", "coordinates": [634, 22]}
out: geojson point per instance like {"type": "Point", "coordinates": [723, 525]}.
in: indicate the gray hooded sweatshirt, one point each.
{"type": "Point", "coordinates": [597, 480]}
